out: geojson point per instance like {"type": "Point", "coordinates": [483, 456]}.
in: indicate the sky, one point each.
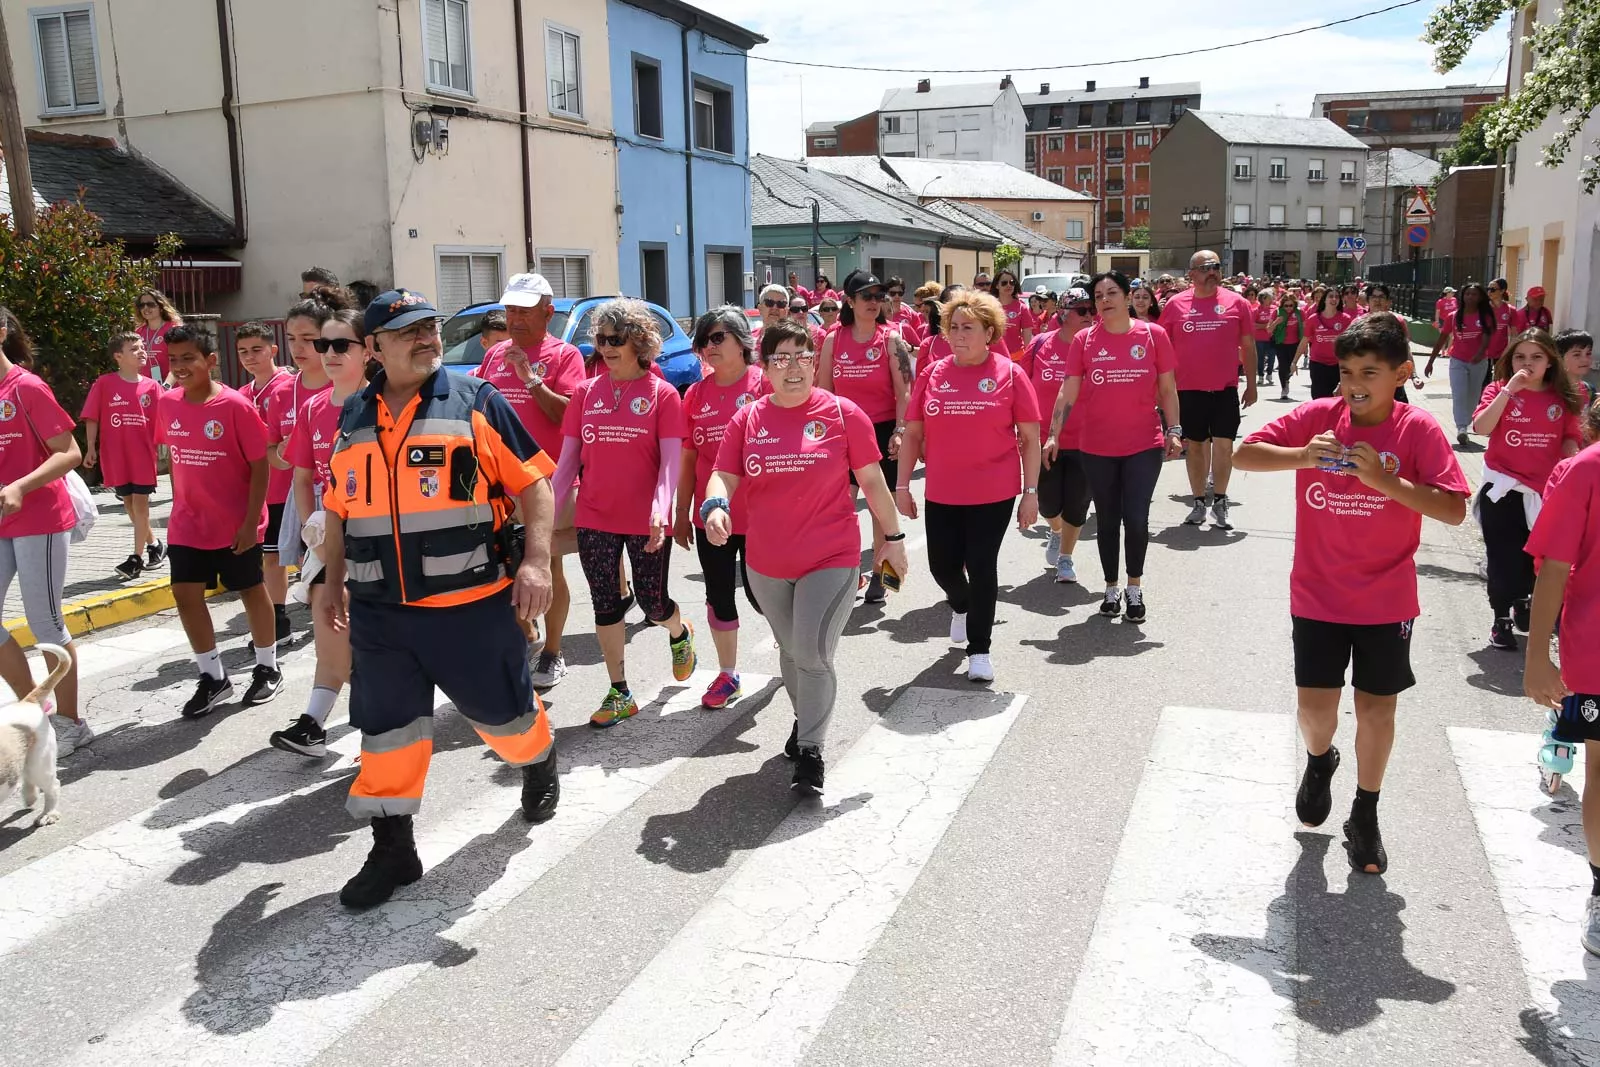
{"type": "Point", "coordinates": [1281, 77]}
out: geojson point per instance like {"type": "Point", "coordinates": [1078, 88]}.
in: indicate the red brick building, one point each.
{"type": "Point", "coordinates": [1098, 142]}
{"type": "Point", "coordinates": [853, 137]}
{"type": "Point", "coordinates": [1426, 121]}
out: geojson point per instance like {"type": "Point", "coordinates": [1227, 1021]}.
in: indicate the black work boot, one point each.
{"type": "Point", "coordinates": [392, 863]}
{"type": "Point", "coordinates": [541, 788]}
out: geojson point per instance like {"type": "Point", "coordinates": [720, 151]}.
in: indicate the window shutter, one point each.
{"type": "Point", "coordinates": [553, 269]}
{"type": "Point", "coordinates": [438, 42]}
{"type": "Point", "coordinates": [455, 283]}
{"type": "Point", "coordinates": [80, 46]}
{"type": "Point", "coordinates": [577, 277]}
{"type": "Point", "coordinates": [485, 278]}
{"type": "Point", "coordinates": [455, 32]}
{"type": "Point", "coordinates": [57, 64]}
{"type": "Point", "coordinates": [716, 283]}
{"type": "Point", "coordinates": [553, 60]}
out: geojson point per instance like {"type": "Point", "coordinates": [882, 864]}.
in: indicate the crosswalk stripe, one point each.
{"type": "Point", "coordinates": [1536, 853]}
{"type": "Point", "coordinates": [1205, 853]}
{"type": "Point", "coordinates": [478, 858]}
{"type": "Point", "coordinates": [118, 650]}
{"type": "Point", "coordinates": [754, 975]}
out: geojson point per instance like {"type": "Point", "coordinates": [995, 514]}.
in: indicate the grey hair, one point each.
{"type": "Point", "coordinates": [632, 319]}
{"type": "Point", "coordinates": [775, 288]}
{"type": "Point", "coordinates": [729, 318]}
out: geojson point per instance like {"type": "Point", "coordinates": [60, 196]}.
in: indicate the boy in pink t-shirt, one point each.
{"type": "Point", "coordinates": [120, 431]}
{"type": "Point", "coordinates": [1367, 470]}
{"type": "Point", "coordinates": [218, 449]}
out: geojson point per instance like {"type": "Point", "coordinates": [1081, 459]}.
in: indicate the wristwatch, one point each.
{"type": "Point", "coordinates": [1030, 490]}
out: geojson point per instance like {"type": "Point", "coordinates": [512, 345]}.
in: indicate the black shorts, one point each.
{"type": "Point", "coordinates": [883, 431]}
{"type": "Point", "coordinates": [1205, 414]}
{"type": "Point", "coordinates": [1379, 656]}
{"type": "Point", "coordinates": [1580, 718]}
{"type": "Point", "coordinates": [1064, 489]}
{"type": "Point", "coordinates": [269, 540]}
{"type": "Point", "coordinates": [208, 566]}
{"type": "Point", "coordinates": [134, 489]}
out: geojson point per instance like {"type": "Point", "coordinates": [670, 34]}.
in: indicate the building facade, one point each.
{"type": "Point", "coordinates": [853, 137]}
{"type": "Point", "coordinates": [1279, 192]}
{"type": "Point", "coordinates": [1463, 213]}
{"type": "Point", "coordinates": [678, 76]}
{"type": "Point", "coordinates": [981, 122]}
{"type": "Point", "coordinates": [1098, 141]}
{"type": "Point", "coordinates": [1426, 121]}
{"type": "Point", "coordinates": [1393, 178]}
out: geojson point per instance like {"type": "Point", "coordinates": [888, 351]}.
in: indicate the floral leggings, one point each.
{"type": "Point", "coordinates": [600, 553]}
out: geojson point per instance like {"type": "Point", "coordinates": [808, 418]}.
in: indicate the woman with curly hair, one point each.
{"type": "Point", "coordinates": [156, 317]}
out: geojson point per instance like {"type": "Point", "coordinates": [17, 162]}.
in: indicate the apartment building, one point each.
{"type": "Point", "coordinates": [1426, 121]}
{"type": "Point", "coordinates": [982, 122]}
{"type": "Point", "coordinates": [1098, 141]}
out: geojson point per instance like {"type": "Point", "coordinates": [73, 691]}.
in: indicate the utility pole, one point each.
{"type": "Point", "coordinates": [14, 139]}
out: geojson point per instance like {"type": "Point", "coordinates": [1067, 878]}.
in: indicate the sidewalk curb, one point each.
{"type": "Point", "coordinates": [106, 609]}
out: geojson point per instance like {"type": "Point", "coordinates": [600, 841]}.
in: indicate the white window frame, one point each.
{"type": "Point", "coordinates": [1243, 167]}
{"type": "Point", "coordinates": [1314, 217]}
{"type": "Point", "coordinates": [549, 100]}
{"type": "Point", "coordinates": [497, 251]}
{"type": "Point", "coordinates": [541, 254]}
{"type": "Point", "coordinates": [1141, 203]}
{"type": "Point", "coordinates": [1316, 169]}
{"type": "Point", "coordinates": [1055, 142]}
{"type": "Point", "coordinates": [1241, 214]}
{"type": "Point", "coordinates": [1278, 169]}
{"type": "Point", "coordinates": [60, 11]}
{"type": "Point", "coordinates": [1142, 139]}
{"type": "Point", "coordinates": [1277, 215]}
{"type": "Point", "coordinates": [1350, 176]}
{"type": "Point", "coordinates": [1056, 174]}
{"type": "Point", "coordinates": [1074, 229]}
{"type": "Point", "coordinates": [1349, 224]}
{"type": "Point", "coordinates": [1078, 176]}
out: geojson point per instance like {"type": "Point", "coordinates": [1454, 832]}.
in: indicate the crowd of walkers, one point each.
{"type": "Point", "coordinates": [387, 486]}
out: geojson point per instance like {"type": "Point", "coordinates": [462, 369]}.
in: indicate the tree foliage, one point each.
{"type": "Point", "coordinates": [1564, 79]}
{"type": "Point", "coordinates": [1136, 237]}
{"type": "Point", "coordinates": [1471, 148]}
{"type": "Point", "coordinates": [72, 289]}
{"type": "Point", "coordinates": [1007, 256]}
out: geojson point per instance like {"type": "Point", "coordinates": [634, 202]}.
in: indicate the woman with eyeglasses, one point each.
{"type": "Point", "coordinates": [971, 415]}
{"type": "Point", "coordinates": [901, 313]}
{"type": "Point", "coordinates": [799, 312]}
{"type": "Point", "coordinates": [774, 305]}
{"type": "Point", "coordinates": [1323, 327]}
{"type": "Point", "coordinates": [1468, 336]}
{"type": "Point", "coordinates": [788, 461]}
{"type": "Point", "coordinates": [722, 341]}
{"type": "Point", "coordinates": [867, 361]}
{"type": "Point", "coordinates": [828, 308]}
{"type": "Point", "coordinates": [1020, 324]}
{"type": "Point", "coordinates": [1284, 331]}
{"type": "Point", "coordinates": [341, 350]}
{"type": "Point", "coordinates": [624, 429]}
{"type": "Point", "coordinates": [157, 317]}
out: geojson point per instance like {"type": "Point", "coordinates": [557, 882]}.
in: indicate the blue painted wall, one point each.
{"type": "Point", "coordinates": [651, 178]}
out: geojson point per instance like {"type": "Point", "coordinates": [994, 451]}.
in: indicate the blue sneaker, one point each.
{"type": "Point", "coordinates": [1065, 575]}
{"type": "Point", "coordinates": [1052, 549]}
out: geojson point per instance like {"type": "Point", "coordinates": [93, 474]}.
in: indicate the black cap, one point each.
{"type": "Point", "coordinates": [397, 309]}
{"type": "Point", "coordinates": [859, 282]}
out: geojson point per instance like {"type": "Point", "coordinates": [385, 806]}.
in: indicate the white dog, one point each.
{"type": "Point", "coordinates": [28, 744]}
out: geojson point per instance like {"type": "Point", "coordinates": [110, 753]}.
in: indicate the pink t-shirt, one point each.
{"type": "Point", "coordinates": [211, 446]}
{"type": "Point", "coordinates": [1507, 324]}
{"type": "Point", "coordinates": [1120, 389]}
{"type": "Point", "coordinates": [1046, 366]}
{"type": "Point", "coordinates": [23, 397]}
{"type": "Point", "coordinates": [1568, 531]}
{"type": "Point", "coordinates": [1206, 334]}
{"type": "Point", "coordinates": [620, 427]}
{"type": "Point", "coordinates": [938, 347]}
{"type": "Point", "coordinates": [969, 419]}
{"type": "Point", "coordinates": [557, 364]}
{"type": "Point", "coordinates": [911, 324]}
{"type": "Point", "coordinates": [1467, 338]}
{"type": "Point", "coordinates": [1019, 317]}
{"type": "Point", "coordinates": [794, 468]}
{"type": "Point", "coordinates": [124, 411]}
{"type": "Point", "coordinates": [707, 407]}
{"type": "Point", "coordinates": [155, 349]}
{"type": "Point", "coordinates": [1444, 313]}
{"type": "Point", "coordinates": [311, 441]}
{"type": "Point", "coordinates": [1291, 326]}
{"type": "Point", "coordinates": [861, 371]}
{"type": "Point", "coordinates": [271, 400]}
{"type": "Point", "coordinates": [1527, 441]}
{"type": "Point", "coordinates": [1323, 332]}
{"type": "Point", "coordinates": [1354, 548]}
{"type": "Point", "coordinates": [1266, 314]}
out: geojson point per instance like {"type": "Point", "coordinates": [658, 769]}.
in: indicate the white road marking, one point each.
{"type": "Point", "coordinates": [754, 975]}
{"type": "Point", "coordinates": [106, 654]}
{"type": "Point", "coordinates": [285, 1004]}
{"type": "Point", "coordinates": [1206, 851]}
{"type": "Point", "coordinates": [1536, 853]}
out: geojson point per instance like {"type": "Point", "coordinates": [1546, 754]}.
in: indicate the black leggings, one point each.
{"type": "Point", "coordinates": [964, 558]}
{"type": "Point", "coordinates": [1123, 487]}
{"type": "Point", "coordinates": [601, 555]}
{"type": "Point", "coordinates": [1285, 354]}
{"type": "Point", "coordinates": [1064, 489]}
{"type": "Point", "coordinates": [1505, 532]}
{"type": "Point", "coordinates": [1324, 380]}
{"type": "Point", "coordinates": [723, 566]}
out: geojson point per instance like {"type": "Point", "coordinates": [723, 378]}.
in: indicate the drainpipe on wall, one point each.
{"type": "Point", "coordinates": [688, 159]}
{"type": "Point", "coordinates": [231, 120]}
{"type": "Point", "coordinates": [522, 136]}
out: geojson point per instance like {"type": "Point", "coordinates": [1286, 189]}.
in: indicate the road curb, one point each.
{"type": "Point", "coordinates": [101, 610]}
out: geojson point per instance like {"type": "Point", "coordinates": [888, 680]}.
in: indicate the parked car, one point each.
{"type": "Point", "coordinates": [463, 348]}
{"type": "Point", "coordinates": [1056, 283]}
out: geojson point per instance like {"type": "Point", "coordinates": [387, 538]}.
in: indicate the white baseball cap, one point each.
{"type": "Point", "coordinates": [526, 291]}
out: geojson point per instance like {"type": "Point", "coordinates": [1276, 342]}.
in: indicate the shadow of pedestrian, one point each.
{"type": "Point", "coordinates": [1093, 638]}
{"type": "Point", "coordinates": [1569, 1035]}
{"type": "Point", "coordinates": [292, 829]}
{"type": "Point", "coordinates": [1448, 574]}
{"type": "Point", "coordinates": [941, 674]}
{"type": "Point", "coordinates": [1182, 538]}
{"type": "Point", "coordinates": [1045, 596]}
{"type": "Point", "coordinates": [1335, 955]}
{"type": "Point", "coordinates": [1499, 671]}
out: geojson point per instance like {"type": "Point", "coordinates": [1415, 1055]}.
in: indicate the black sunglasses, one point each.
{"type": "Point", "coordinates": [797, 309]}
{"type": "Point", "coordinates": [897, 292]}
{"type": "Point", "coordinates": [340, 345]}
{"type": "Point", "coordinates": [774, 303]}
{"type": "Point", "coordinates": [713, 339]}
{"type": "Point", "coordinates": [148, 304]}
{"type": "Point", "coordinates": [1081, 309]}
{"type": "Point", "coordinates": [609, 340]}
{"type": "Point", "coordinates": [1209, 265]}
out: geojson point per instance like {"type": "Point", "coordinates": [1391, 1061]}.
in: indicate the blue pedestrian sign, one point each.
{"type": "Point", "coordinates": [1353, 244]}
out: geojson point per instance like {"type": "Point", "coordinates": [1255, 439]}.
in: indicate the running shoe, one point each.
{"type": "Point", "coordinates": [129, 568]}
{"type": "Point", "coordinates": [724, 690]}
{"type": "Point", "coordinates": [1219, 513]}
{"type": "Point", "coordinates": [1284, 393]}
{"type": "Point", "coordinates": [284, 631]}
{"type": "Point", "coordinates": [1197, 514]}
{"type": "Point", "coordinates": [979, 668]}
{"type": "Point", "coordinates": [71, 735]}
{"type": "Point", "coordinates": [264, 684]}
{"type": "Point", "coordinates": [1052, 549]}
{"type": "Point", "coordinates": [1591, 926]}
{"type": "Point", "coordinates": [1065, 574]}
{"type": "Point", "coordinates": [305, 737]}
{"type": "Point", "coordinates": [548, 672]}
{"type": "Point", "coordinates": [958, 628]}
{"type": "Point", "coordinates": [1111, 606]}
{"type": "Point", "coordinates": [808, 771]}
{"type": "Point", "coordinates": [155, 554]}
{"type": "Point", "coordinates": [1501, 635]}
{"type": "Point", "coordinates": [1135, 612]}
{"type": "Point", "coordinates": [1522, 614]}
{"type": "Point", "coordinates": [1461, 437]}
{"type": "Point", "coordinates": [208, 693]}
{"type": "Point", "coordinates": [683, 658]}
{"type": "Point", "coordinates": [1315, 797]}
{"type": "Point", "coordinates": [1364, 844]}
{"type": "Point", "coordinates": [875, 593]}
{"type": "Point", "coordinates": [791, 747]}
{"type": "Point", "coordinates": [613, 709]}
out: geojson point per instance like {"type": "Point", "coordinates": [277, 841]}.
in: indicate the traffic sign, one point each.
{"type": "Point", "coordinates": [1417, 235]}
{"type": "Point", "coordinates": [1352, 244]}
{"type": "Point", "coordinates": [1418, 208]}
{"type": "Point", "coordinates": [1360, 254]}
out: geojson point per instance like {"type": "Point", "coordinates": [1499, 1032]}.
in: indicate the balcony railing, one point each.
{"type": "Point", "coordinates": [1114, 155]}
{"type": "Point", "coordinates": [1113, 188]}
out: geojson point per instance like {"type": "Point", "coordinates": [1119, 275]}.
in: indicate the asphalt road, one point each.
{"type": "Point", "coordinates": [1095, 861]}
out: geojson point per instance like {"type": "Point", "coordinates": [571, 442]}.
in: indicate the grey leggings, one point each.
{"type": "Point", "coordinates": [39, 562]}
{"type": "Point", "coordinates": [807, 616]}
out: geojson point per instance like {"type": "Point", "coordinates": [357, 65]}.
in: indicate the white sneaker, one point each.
{"type": "Point", "coordinates": [958, 628]}
{"type": "Point", "coordinates": [1052, 549]}
{"type": "Point", "coordinates": [1591, 926]}
{"type": "Point", "coordinates": [71, 735]}
{"type": "Point", "coordinates": [979, 669]}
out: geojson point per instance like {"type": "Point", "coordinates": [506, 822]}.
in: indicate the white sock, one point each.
{"type": "Point", "coordinates": [210, 664]}
{"type": "Point", "coordinates": [267, 657]}
{"type": "Point", "coordinates": [321, 703]}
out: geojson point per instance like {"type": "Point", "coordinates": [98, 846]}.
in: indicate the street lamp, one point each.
{"type": "Point", "coordinates": [1196, 219]}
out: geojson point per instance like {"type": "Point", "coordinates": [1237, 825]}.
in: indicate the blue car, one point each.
{"type": "Point", "coordinates": [463, 348]}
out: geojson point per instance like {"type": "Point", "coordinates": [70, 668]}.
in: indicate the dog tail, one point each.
{"type": "Point", "coordinates": [46, 687]}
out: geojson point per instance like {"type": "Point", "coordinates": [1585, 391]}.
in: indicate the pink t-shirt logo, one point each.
{"type": "Point", "coordinates": [874, 354]}
{"type": "Point", "coordinates": [428, 483]}
{"type": "Point", "coordinates": [1097, 376]}
{"type": "Point", "coordinates": [986, 385]}
{"type": "Point", "coordinates": [213, 430]}
{"type": "Point", "coordinates": [539, 370]}
{"type": "Point", "coordinates": [1137, 351]}
{"type": "Point", "coordinates": [144, 399]}
{"type": "Point", "coordinates": [744, 398]}
{"type": "Point", "coordinates": [1316, 496]}
{"type": "Point", "coordinates": [1391, 462]}
{"type": "Point", "coordinates": [639, 405]}
{"type": "Point", "coordinates": [1514, 437]}
{"type": "Point", "coordinates": [1219, 309]}
{"type": "Point", "coordinates": [814, 430]}
{"type": "Point", "coordinates": [8, 411]}
{"type": "Point", "coordinates": [1553, 412]}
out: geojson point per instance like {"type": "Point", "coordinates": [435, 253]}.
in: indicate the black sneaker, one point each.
{"type": "Point", "coordinates": [392, 863]}
{"type": "Point", "coordinates": [129, 568]}
{"type": "Point", "coordinates": [284, 630]}
{"type": "Point", "coordinates": [875, 593]}
{"type": "Point", "coordinates": [791, 747]}
{"type": "Point", "coordinates": [1501, 635]}
{"type": "Point", "coordinates": [207, 695]}
{"type": "Point", "coordinates": [1364, 845]}
{"type": "Point", "coordinates": [1315, 798]}
{"type": "Point", "coordinates": [1111, 606]}
{"type": "Point", "coordinates": [808, 771]}
{"type": "Point", "coordinates": [264, 683]}
{"type": "Point", "coordinates": [303, 736]}
{"type": "Point", "coordinates": [1135, 602]}
{"type": "Point", "coordinates": [541, 788]}
{"type": "Point", "coordinates": [1522, 615]}
{"type": "Point", "coordinates": [155, 554]}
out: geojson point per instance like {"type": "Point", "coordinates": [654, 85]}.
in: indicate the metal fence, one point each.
{"type": "Point", "coordinates": [1416, 285]}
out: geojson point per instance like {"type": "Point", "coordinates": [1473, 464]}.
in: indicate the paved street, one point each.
{"type": "Point", "coordinates": [1095, 863]}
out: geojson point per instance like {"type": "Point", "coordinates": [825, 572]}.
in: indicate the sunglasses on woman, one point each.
{"type": "Point", "coordinates": [609, 340]}
{"type": "Point", "coordinates": [715, 339]}
{"type": "Point", "coordinates": [340, 345]}
{"type": "Point", "coordinates": [148, 304]}
{"type": "Point", "coordinates": [781, 360]}
{"type": "Point", "coordinates": [773, 303]}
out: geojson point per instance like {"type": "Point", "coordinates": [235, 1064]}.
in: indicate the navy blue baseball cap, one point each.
{"type": "Point", "coordinates": [397, 309]}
